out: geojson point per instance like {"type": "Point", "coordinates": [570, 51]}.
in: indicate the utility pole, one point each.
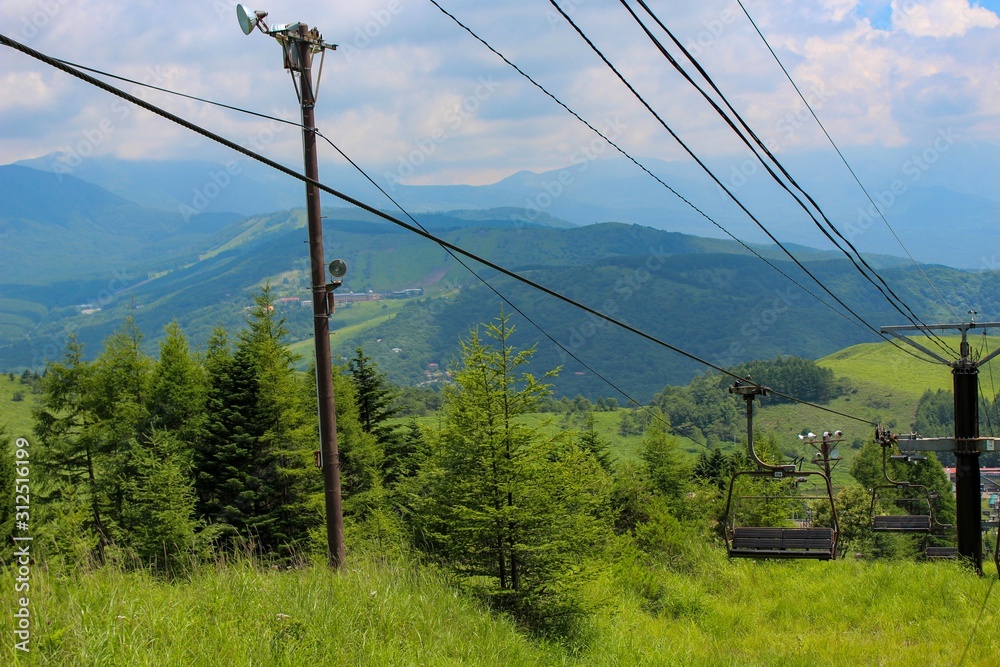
{"type": "Point", "coordinates": [966, 443]}
{"type": "Point", "coordinates": [299, 44]}
{"type": "Point", "coordinates": [824, 449]}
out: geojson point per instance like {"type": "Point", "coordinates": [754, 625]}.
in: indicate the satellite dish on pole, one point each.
{"type": "Point", "coordinates": [248, 18]}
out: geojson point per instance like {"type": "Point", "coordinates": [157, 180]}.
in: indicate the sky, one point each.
{"type": "Point", "coordinates": [411, 96]}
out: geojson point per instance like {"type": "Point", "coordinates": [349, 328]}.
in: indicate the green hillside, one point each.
{"type": "Point", "coordinates": [706, 296]}
{"type": "Point", "coordinates": [885, 365]}
{"type": "Point", "coordinates": [16, 401]}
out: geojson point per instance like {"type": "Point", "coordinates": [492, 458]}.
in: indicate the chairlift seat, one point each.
{"type": "Point", "coordinates": [941, 552]}
{"type": "Point", "coordinates": [902, 523]}
{"type": "Point", "coordinates": [753, 542]}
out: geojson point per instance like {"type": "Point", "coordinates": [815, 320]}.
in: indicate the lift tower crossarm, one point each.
{"type": "Point", "coordinates": [963, 328]}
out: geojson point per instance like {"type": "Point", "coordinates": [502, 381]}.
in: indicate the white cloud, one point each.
{"type": "Point", "coordinates": [403, 66]}
{"type": "Point", "coordinates": [940, 18]}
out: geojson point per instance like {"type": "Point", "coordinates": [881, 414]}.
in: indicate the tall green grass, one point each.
{"type": "Point", "coordinates": [389, 612]}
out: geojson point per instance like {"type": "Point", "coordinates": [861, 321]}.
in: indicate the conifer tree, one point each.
{"type": "Point", "coordinates": [374, 397]}
{"type": "Point", "coordinates": [157, 521]}
{"type": "Point", "coordinates": [227, 455]}
{"type": "Point", "coordinates": [501, 501]}
{"type": "Point", "coordinates": [66, 451]}
{"type": "Point", "coordinates": [667, 466]}
{"type": "Point", "coordinates": [591, 441]}
{"type": "Point", "coordinates": [7, 491]}
{"type": "Point", "coordinates": [177, 389]}
{"type": "Point", "coordinates": [253, 460]}
{"type": "Point", "coordinates": [286, 471]}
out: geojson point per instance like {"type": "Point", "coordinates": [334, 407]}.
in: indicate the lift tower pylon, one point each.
{"type": "Point", "coordinates": [965, 376]}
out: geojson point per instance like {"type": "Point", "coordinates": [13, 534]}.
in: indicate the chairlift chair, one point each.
{"type": "Point", "coordinates": [809, 542]}
{"type": "Point", "coordinates": [909, 522]}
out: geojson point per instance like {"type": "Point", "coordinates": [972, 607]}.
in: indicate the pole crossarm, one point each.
{"type": "Point", "coordinates": [909, 442]}
{"type": "Point", "coordinates": [961, 327]}
{"type": "Point", "coordinates": [912, 343]}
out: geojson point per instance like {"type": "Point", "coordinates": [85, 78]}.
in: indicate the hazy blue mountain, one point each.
{"type": "Point", "coordinates": [935, 199]}
{"type": "Point", "coordinates": [75, 257]}
{"type": "Point", "coordinates": [54, 227]}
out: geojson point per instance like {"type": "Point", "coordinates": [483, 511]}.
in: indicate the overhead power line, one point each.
{"type": "Point", "coordinates": [179, 94]}
{"type": "Point", "coordinates": [6, 41]}
{"type": "Point", "coordinates": [611, 384]}
{"type": "Point", "coordinates": [891, 297]}
{"type": "Point", "coordinates": [506, 300]}
{"type": "Point", "coordinates": [641, 166]}
{"type": "Point", "coordinates": [529, 78]}
{"type": "Point", "coordinates": [844, 160]}
{"type": "Point", "coordinates": [615, 387]}
{"type": "Point", "coordinates": [712, 175]}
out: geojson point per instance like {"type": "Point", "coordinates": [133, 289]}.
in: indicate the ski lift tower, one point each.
{"type": "Point", "coordinates": [966, 443]}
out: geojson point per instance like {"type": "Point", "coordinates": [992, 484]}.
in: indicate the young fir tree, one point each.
{"type": "Point", "coordinates": [502, 502]}
{"type": "Point", "coordinates": [253, 460]}
{"type": "Point", "coordinates": [286, 471]}
{"type": "Point", "coordinates": [178, 389]}
{"type": "Point", "coordinates": [375, 397]}
{"type": "Point", "coordinates": [157, 521]}
{"type": "Point", "coordinates": [591, 441]}
{"type": "Point", "coordinates": [119, 388]}
{"type": "Point", "coordinates": [227, 455]}
{"type": "Point", "coordinates": [666, 464]}
{"type": "Point", "coordinates": [67, 455]}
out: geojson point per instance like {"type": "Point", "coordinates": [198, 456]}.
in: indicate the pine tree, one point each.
{"type": "Point", "coordinates": [375, 398]}
{"type": "Point", "coordinates": [253, 460]}
{"type": "Point", "coordinates": [119, 392]}
{"type": "Point", "coordinates": [500, 500]}
{"type": "Point", "coordinates": [226, 455]}
{"type": "Point", "coordinates": [591, 441]}
{"type": "Point", "coordinates": [66, 452]}
{"type": "Point", "coordinates": [666, 464]}
{"type": "Point", "coordinates": [157, 519]}
{"type": "Point", "coordinates": [711, 469]}
{"type": "Point", "coordinates": [286, 470]}
{"type": "Point", "coordinates": [177, 389]}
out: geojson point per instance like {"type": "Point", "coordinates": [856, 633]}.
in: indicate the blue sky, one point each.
{"type": "Point", "coordinates": [406, 81]}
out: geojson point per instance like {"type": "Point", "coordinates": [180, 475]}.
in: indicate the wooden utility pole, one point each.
{"type": "Point", "coordinates": [299, 44]}
{"type": "Point", "coordinates": [824, 449]}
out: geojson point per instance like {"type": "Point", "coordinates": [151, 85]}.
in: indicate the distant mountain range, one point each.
{"type": "Point", "coordinates": [943, 203]}
{"type": "Point", "coordinates": [76, 257]}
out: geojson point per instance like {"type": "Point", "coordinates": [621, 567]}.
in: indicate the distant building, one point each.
{"type": "Point", "coordinates": [406, 293]}
{"type": "Point", "coordinates": [352, 297]}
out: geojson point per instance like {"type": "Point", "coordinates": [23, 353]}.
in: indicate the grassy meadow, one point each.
{"type": "Point", "coordinates": [15, 414]}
